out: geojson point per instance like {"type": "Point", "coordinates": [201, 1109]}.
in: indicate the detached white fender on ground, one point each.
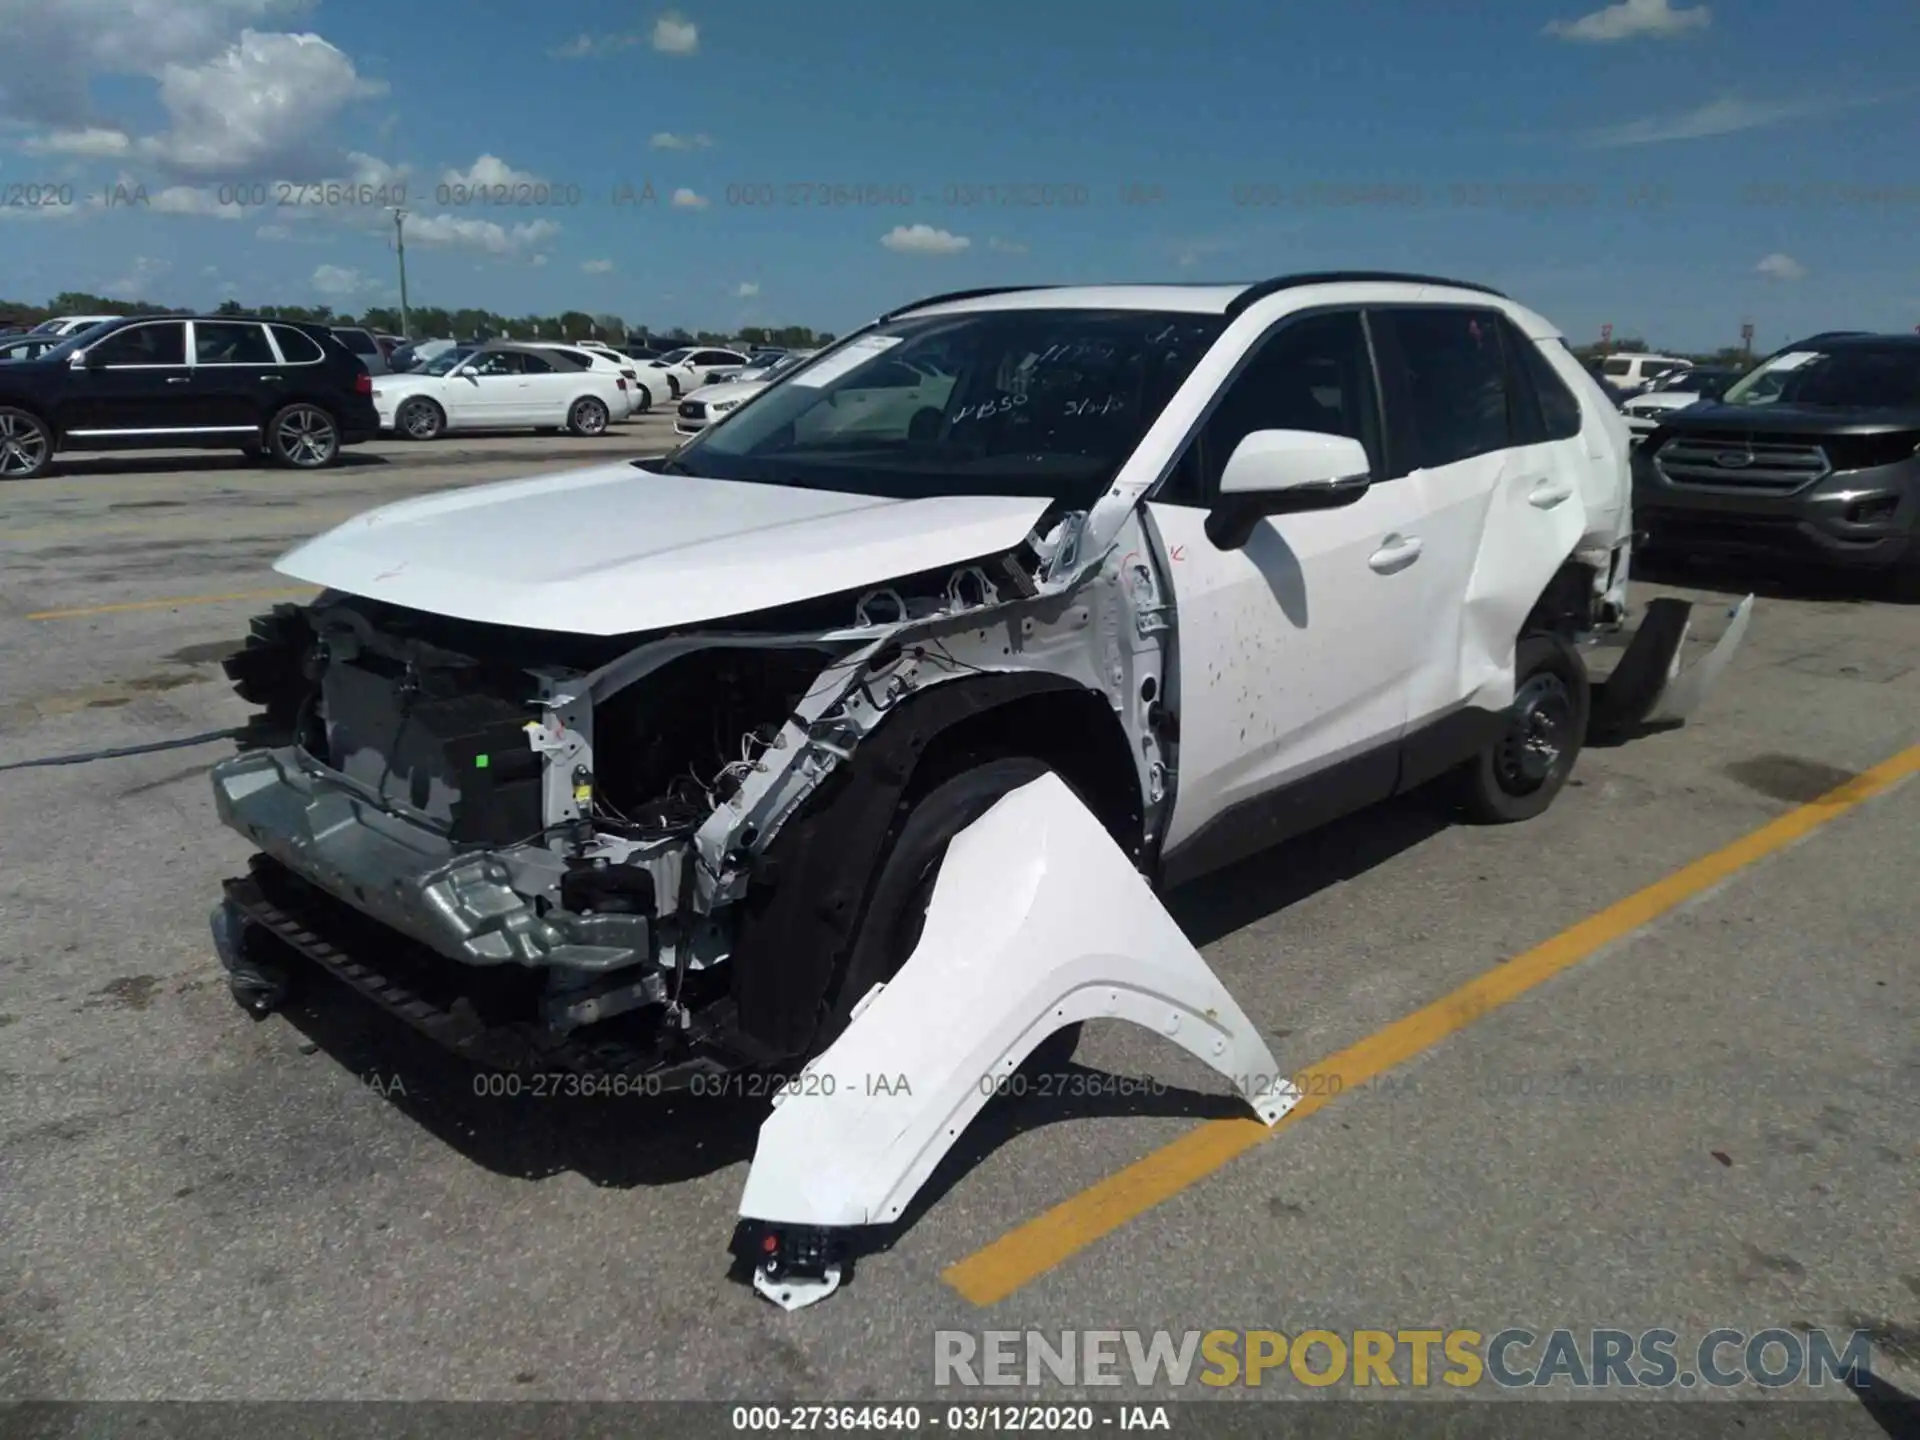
{"type": "Point", "coordinates": [1038, 920]}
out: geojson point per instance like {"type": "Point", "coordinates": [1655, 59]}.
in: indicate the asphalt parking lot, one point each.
{"type": "Point", "coordinates": [1702, 1110]}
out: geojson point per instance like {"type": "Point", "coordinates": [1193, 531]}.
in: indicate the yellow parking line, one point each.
{"type": "Point", "coordinates": [170, 604]}
{"type": "Point", "coordinates": [991, 1274]}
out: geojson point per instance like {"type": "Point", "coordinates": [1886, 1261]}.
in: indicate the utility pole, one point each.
{"type": "Point", "coordinates": [400, 249]}
{"type": "Point", "coordinates": [1746, 342]}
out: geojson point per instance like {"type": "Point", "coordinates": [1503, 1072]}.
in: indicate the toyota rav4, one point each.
{"type": "Point", "coordinates": [855, 739]}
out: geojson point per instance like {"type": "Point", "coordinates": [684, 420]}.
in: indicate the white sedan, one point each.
{"type": "Point", "coordinates": [499, 387]}
{"type": "Point", "coordinates": [690, 367]}
{"type": "Point", "coordinates": [710, 402]}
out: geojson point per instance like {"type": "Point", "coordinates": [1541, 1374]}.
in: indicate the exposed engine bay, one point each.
{"type": "Point", "coordinates": [591, 826]}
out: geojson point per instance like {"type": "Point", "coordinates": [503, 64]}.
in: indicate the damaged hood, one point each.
{"type": "Point", "coordinates": [616, 549]}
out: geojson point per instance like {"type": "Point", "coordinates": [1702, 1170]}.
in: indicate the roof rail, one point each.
{"type": "Point", "coordinates": [1265, 288]}
{"type": "Point", "coordinates": [953, 295]}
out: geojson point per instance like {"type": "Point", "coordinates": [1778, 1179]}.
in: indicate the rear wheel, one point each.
{"type": "Point", "coordinates": [420, 419]}
{"type": "Point", "coordinates": [643, 400]}
{"type": "Point", "coordinates": [902, 891]}
{"type": "Point", "coordinates": [26, 444]}
{"type": "Point", "coordinates": [304, 436]}
{"type": "Point", "coordinates": [1517, 775]}
{"type": "Point", "coordinates": [588, 417]}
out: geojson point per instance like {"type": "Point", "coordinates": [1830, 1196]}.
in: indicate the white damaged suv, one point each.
{"type": "Point", "coordinates": [855, 739]}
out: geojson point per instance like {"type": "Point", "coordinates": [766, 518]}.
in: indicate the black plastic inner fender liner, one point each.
{"type": "Point", "coordinates": [797, 923]}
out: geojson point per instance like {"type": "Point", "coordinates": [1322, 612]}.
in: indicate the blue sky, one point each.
{"type": "Point", "coordinates": [1671, 169]}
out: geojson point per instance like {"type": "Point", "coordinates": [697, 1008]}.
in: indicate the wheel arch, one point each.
{"type": "Point", "coordinates": [796, 926]}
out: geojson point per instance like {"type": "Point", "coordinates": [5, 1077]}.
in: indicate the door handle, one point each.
{"type": "Point", "coordinates": [275, 379]}
{"type": "Point", "coordinates": [1549, 493]}
{"type": "Point", "coordinates": [1396, 552]}
{"type": "Point", "coordinates": [177, 379]}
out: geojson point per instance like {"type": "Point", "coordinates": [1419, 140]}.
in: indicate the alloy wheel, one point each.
{"type": "Point", "coordinates": [306, 437]}
{"type": "Point", "coordinates": [23, 446]}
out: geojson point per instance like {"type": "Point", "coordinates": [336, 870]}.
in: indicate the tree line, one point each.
{"type": "Point", "coordinates": [429, 321]}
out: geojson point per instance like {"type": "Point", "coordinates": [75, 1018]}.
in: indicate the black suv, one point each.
{"type": "Point", "coordinates": [1814, 455]}
{"type": "Point", "coordinates": [203, 382]}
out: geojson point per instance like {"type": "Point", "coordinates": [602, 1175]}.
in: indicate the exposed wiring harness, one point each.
{"type": "Point", "coordinates": [115, 752]}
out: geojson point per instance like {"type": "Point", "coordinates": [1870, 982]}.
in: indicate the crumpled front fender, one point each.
{"type": "Point", "coordinates": [1038, 920]}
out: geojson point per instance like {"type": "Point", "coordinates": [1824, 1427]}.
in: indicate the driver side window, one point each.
{"type": "Point", "coordinates": [1314, 373]}
{"type": "Point", "coordinates": [503, 362]}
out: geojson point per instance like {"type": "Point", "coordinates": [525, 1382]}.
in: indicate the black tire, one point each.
{"type": "Point", "coordinates": [589, 416]}
{"type": "Point", "coordinates": [897, 899]}
{"type": "Point", "coordinates": [1517, 776]}
{"type": "Point", "coordinates": [673, 386]}
{"type": "Point", "coordinates": [419, 419]}
{"type": "Point", "coordinates": [643, 400]}
{"type": "Point", "coordinates": [304, 436]}
{"type": "Point", "coordinates": [26, 444]}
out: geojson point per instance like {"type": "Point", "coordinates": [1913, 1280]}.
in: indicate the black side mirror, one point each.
{"type": "Point", "coordinates": [1230, 523]}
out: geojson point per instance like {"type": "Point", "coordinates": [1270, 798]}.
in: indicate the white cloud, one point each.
{"type": "Point", "coordinates": [339, 282]}
{"type": "Point", "coordinates": [55, 47]}
{"type": "Point", "coordinates": [667, 140]}
{"type": "Point", "coordinates": [924, 240]}
{"type": "Point", "coordinates": [91, 142]}
{"type": "Point", "coordinates": [1781, 267]}
{"type": "Point", "coordinates": [746, 290]}
{"type": "Point", "coordinates": [674, 34]}
{"type": "Point", "coordinates": [193, 200]}
{"type": "Point", "coordinates": [209, 269]}
{"type": "Point", "coordinates": [537, 261]}
{"type": "Point", "coordinates": [686, 199]}
{"type": "Point", "coordinates": [257, 109]}
{"type": "Point", "coordinates": [584, 46]}
{"type": "Point", "coordinates": [487, 172]}
{"type": "Point", "coordinates": [1631, 19]}
{"type": "Point", "coordinates": [1728, 115]}
{"type": "Point", "coordinates": [138, 280]}
{"type": "Point", "coordinates": [597, 267]}
{"type": "Point", "coordinates": [472, 233]}
{"type": "Point", "coordinates": [1005, 247]}
{"type": "Point", "coordinates": [273, 232]}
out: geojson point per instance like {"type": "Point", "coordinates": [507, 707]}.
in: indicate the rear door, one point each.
{"type": "Point", "coordinates": [232, 360]}
{"type": "Point", "coordinates": [1500, 489]}
{"type": "Point", "coordinates": [137, 385]}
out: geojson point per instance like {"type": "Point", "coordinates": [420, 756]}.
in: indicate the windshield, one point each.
{"type": "Point", "coordinates": [1041, 403]}
{"type": "Point", "coordinates": [446, 360]}
{"type": "Point", "coordinates": [1862, 377]}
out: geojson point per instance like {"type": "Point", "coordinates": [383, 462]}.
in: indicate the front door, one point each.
{"type": "Point", "coordinates": [490, 391]}
{"type": "Point", "coordinates": [136, 383]}
{"type": "Point", "coordinates": [1296, 651]}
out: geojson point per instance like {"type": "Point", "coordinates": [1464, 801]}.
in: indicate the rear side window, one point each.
{"type": "Point", "coordinates": [358, 341]}
{"type": "Point", "coordinates": [1617, 368]}
{"type": "Point", "coordinates": [298, 347]}
{"type": "Point", "coordinates": [227, 342]}
{"type": "Point", "coordinates": [536, 364]}
{"type": "Point", "coordinates": [1535, 380]}
{"type": "Point", "coordinates": [578, 357]}
{"type": "Point", "coordinates": [1453, 382]}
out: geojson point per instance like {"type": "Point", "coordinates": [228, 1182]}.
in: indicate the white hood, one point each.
{"type": "Point", "coordinates": [616, 549]}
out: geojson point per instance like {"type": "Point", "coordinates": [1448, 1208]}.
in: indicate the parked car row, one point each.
{"type": "Point", "coordinates": [299, 392]}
